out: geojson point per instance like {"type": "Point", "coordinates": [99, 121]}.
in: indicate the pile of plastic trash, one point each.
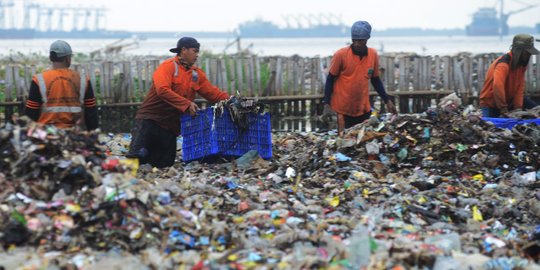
{"type": "Point", "coordinates": [438, 190]}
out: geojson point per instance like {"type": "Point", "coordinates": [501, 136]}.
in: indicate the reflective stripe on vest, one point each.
{"type": "Point", "coordinates": [83, 87]}
{"type": "Point", "coordinates": [62, 109]}
{"type": "Point", "coordinates": [59, 89]}
{"type": "Point", "coordinates": [194, 74]}
{"type": "Point", "coordinates": [42, 88]}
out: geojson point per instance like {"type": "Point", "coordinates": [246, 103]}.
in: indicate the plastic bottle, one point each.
{"type": "Point", "coordinates": [446, 242]}
{"type": "Point", "coordinates": [446, 263]}
{"type": "Point", "coordinates": [359, 248]}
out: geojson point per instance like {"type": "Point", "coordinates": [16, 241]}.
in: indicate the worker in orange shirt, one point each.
{"type": "Point", "coordinates": [176, 81]}
{"type": "Point", "coordinates": [504, 85]}
{"type": "Point", "coordinates": [347, 85]}
{"type": "Point", "coordinates": [61, 96]}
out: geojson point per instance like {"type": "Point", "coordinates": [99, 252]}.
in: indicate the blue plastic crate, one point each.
{"type": "Point", "coordinates": [206, 137]}
{"type": "Point", "coordinates": [509, 123]}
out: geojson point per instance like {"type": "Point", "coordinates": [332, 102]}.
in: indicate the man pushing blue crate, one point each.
{"type": "Point", "coordinates": [176, 82]}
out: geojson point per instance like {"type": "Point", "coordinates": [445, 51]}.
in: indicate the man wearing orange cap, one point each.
{"type": "Point", "coordinates": [175, 83]}
{"type": "Point", "coordinates": [504, 86]}
{"type": "Point", "coordinates": [352, 69]}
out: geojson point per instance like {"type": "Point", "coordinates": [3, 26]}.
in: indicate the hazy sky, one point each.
{"type": "Point", "coordinates": [225, 15]}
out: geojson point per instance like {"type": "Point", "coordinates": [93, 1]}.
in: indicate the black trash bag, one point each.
{"type": "Point", "coordinates": [15, 233]}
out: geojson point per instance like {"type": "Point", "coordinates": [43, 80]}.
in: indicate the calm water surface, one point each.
{"type": "Point", "coordinates": [306, 47]}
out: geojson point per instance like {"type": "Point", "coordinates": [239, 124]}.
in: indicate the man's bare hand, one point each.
{"type": "Point", "coordinates": [327, 111]}
{"type": "Point", "coordinates": [193, 109]}
{"type": "Point", "coordinates": [391, 107]}
{"type": "Point", "coordinates": [504, 113]}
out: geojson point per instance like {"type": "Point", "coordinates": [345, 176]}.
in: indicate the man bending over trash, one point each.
{"type": "Point", "coordinates": [175, 83]}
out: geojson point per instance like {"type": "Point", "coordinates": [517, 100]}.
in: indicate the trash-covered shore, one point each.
{"type": "Point", "coordinates": [438, 190]}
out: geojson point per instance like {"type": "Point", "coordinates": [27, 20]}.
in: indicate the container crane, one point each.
{"type": "Point", "coordinates": [308, 19]}
{"type": "Point", "coordinates": [61, 15]}
{"type": "Point", "coordinates": [504, 16]}
{"type": "Point", "coordinates": [29, 10]}
{"type": "Point", "coordinates": [287, 20]}
{"type": "Point", "coordinates": [3, 6]}
{"type": "Point", "coordinates": [46, 14]}
{"type": "Point", "coordinates": [488, 22]}
{"type": "Point", "coordinates": [330, 18]}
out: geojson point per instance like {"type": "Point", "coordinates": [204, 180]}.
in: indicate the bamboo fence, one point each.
{"type": "Point", "coordinates": [292, 86]}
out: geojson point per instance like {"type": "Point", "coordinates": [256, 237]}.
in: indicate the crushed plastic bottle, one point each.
{"type": "Point", "coordinates": [359, 247]}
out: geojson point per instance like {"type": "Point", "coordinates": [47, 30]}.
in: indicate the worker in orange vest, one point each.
{"type": "Point", "coordinates": [351, 71]}
{"type": "Point", "coordinates": [504, 86]}
{"type": "Point", "coordinates": [175, 84]}
{"type": "Point", "coordinates": [61, 96]}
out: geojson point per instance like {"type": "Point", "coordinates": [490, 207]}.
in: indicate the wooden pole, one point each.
{"type": "Point", "coordinates": [240, 75]}
{"type": "Point", "coordinates": [258, 75]}
{"type": "Point", "coordinates": [224, 78]}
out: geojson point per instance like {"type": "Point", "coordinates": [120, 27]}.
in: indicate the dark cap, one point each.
{"type": "Point", "coordinates": [526, 42]}
{"type": "Point", "coordinates": [185, 42]}
{"type": "Point", "coordinates": [61, 48]}
{"type": "Point", "coordinates": [361, 30]}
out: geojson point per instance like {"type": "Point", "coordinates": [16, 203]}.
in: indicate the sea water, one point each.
{"type": "Point", "coordinates": [304, 47]}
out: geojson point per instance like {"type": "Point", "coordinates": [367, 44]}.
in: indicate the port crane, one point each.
{"type": "Point", "coordinates": [487, 21]}
{"type": "Point", "coordinates": [34, 15]}
{"type": "Point", "coordinates": [4, 5]}
{"type": "Point", "coordinates": [504, 16]}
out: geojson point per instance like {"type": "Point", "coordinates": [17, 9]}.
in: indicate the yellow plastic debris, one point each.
{"type": "Point", "coordinates": [132, 164]}
{"type": "Point", "coordinates": [477, 215]}
{"type": "Point", "coordinates": [334, 201]}
{"type": "Point", "coordinates": [365, 192]}
{"type": "Point", "coordinates": [478, 177]}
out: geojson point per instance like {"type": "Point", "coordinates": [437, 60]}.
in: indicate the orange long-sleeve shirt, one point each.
{"type": "Point", "coordinates": [503, 88]}
{"type": "Point", "coordinates": [173, 89]}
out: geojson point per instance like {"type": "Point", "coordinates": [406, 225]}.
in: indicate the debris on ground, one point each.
{"type": "Point", "coordinates": [437, 190]}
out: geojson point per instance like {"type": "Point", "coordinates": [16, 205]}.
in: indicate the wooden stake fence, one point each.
{"type": "Point", "coordinates": [293, 86]}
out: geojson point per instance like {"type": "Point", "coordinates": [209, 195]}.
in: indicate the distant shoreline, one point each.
{"type": "Point", "coordinates": [116, 34]}
{"type": "Point", "coordinates": [304, 47]}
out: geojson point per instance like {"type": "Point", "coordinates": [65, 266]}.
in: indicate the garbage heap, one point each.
{"type": "Point", "coordinates": [437, 190]}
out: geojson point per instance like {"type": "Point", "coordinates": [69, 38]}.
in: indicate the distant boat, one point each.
{"type": "Point", "coordinates": [264, 29]}
{"type": "Point", "coordinates": [484, 23]}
